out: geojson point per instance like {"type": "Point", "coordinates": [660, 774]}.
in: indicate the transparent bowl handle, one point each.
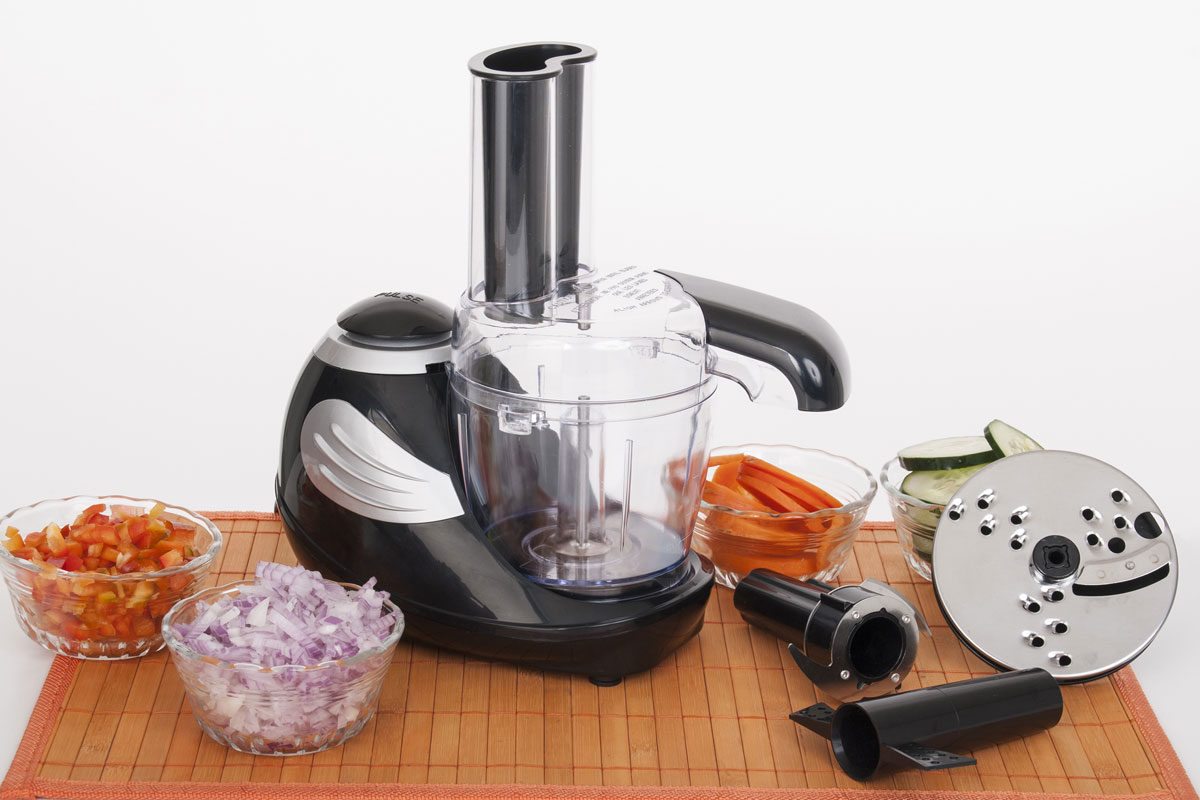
{"type": "Point", "coordinates": [776, 333]}
{"type": "Point", "coordinates": [761, 383]}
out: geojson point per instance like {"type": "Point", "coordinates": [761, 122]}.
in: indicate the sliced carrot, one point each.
{"type": "Point", "coordinates": [734, 524]}
{"type": "Point", "coordinates": [834, 522]}
{"type": "Point", "coordinates": [731, 458]}
{"type": "Point", "coordinates": [718, 495]}
{"type": "Point", "coordinates": [801, 489]}
{"type": "Point", "coordinates": [807, 501]}
{"type": "Point", "coordinates": [726, 475]}
{"type": "Point", "coordinates": [775, 499]}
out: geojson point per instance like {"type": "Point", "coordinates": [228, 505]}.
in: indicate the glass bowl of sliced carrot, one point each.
{"type": "Point", "coordinates": [93, 577]}
{"type": "Point", "coordinates": [791, 509]}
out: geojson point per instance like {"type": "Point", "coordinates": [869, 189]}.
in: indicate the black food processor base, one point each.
{"type": "Point", "coordinates": [456, 588]}
{"type": "Point", "coordinates": [639, 633]}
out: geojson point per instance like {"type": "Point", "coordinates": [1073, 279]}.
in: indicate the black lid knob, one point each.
{"type": "Point", "coordinates": [397, 316]}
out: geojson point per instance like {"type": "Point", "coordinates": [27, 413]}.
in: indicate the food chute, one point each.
{"type": "Point", "coordinates": [522, 473]}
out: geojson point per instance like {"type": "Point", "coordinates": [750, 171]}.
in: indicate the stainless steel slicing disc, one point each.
{"type": "Point", "coordinates": [1055, 560]}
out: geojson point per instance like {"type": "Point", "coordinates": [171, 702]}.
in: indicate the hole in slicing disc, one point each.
{"type": "Point", "coordinates": [1055, 557]}
{"type": "Point", "coordinates": [1116, 545]}
{"type": "Point", "coordinates": [1093, 540]}
{"type": "Point", "coordinates": [1148, 525]}
{"type": "Point", "coordinates": [1089, 513]}
{"type": "Point", "coordinates": [1053, 595]}
{"type": "Point", "coordinates": [1060, 627]}
{"type": "Point", "coordinates": [1118, 496]}
{"type": "Point", "coordinates": [1120, 522]}
{"type": "Point", "coordinates": [1015, 544]}
{"type": "Point", "coordinates": [1062, 659]}
{"type": "Point", "coordinates": [1037, 641]}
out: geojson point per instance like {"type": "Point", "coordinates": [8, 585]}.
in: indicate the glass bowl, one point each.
{"type": "Point", "coordinates": [284, 710]}
{"type": "Point", "coordinates": [916, 520]}
{"type": "Point", "coordinates": [93, 615]}
{"type": "Point", "coordinates": [804, 545]}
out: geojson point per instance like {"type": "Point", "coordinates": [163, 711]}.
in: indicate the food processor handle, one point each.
{"type": "Point", "coordinates": [789, 337]}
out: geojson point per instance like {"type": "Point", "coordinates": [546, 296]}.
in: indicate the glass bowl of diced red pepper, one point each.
{"type": "Point", "coordinates": [92, 577]}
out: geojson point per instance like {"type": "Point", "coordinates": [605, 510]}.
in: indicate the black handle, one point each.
{"type": "Point", "coordinates": [793, 339]}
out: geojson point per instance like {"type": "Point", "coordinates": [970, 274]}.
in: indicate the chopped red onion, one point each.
{"type": "Point", "coordinates": [288, 617]}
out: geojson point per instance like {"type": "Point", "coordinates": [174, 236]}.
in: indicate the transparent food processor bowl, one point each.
{"type": "Point", "coordinates": [588, 497]}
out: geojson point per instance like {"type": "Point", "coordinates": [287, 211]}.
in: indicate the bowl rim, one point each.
{"type": "Point", "coordinates": [203, 560]}
{"type": "Point", "coordinates": [895, 491]}
{"type": "Point", "coordinates": [177, 648]}
{"type": "Point", "coordinates": [852, 507]}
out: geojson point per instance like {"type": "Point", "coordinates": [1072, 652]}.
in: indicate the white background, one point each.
{"type": "Point", "coordinates": [996, 205]}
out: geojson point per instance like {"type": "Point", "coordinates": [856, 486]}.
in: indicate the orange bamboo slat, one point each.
{"type": "Point", "coordinates": [710, 721]}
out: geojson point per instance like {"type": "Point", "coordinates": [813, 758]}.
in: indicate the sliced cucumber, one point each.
{"type": "Point", "coordinates": [937, 486]}
{"type": "Point", "coordinates": [952, 453]}
{"type": "Point", "coordinates": [1007, 440]}
{"type": "Point", "coordinates": [923, 546]}
{"type": "Point", "coordinates": [925, 519]}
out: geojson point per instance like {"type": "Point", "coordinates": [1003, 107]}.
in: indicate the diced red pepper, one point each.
{"type": "Point", "coordinates": [85, 607]}
{"type": "Point", "coordinates": [88, 513]}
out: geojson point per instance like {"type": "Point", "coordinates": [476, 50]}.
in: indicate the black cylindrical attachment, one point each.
{"type": "Point", "coordinates": [809, 613]}
{"type": "Point", "coordinates": [777, 603]}
{"type": "Point", "coordinates": [529, 193]}
{"type": "Point", "coordinates": [969, 713]}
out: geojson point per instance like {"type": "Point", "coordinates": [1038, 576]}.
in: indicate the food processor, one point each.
{"type": "Point", "coordinates": [522, 472]}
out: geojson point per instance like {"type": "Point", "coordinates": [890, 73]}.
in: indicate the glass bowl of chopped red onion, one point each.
{"type": "Point", "coordinates": [286, 664]}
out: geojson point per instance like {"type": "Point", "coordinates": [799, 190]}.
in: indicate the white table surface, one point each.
{"type": "Point", "coordinates": [997, 207]}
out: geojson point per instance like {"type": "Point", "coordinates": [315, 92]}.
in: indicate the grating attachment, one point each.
{"type": "Point", "coordinates": [1068, 565]}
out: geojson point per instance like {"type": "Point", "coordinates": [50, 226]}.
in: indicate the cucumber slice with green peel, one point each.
{"type": "Point", "coordinates": [925, 519]}
{"type": "Point", "coordinates": [1007, 440]}
{"type": "Point", "coordinates": [937, 486]}
{"type": "Point", "coordinates": [923, 547]}
{"type": "Point", "coordinates": [952, 453]}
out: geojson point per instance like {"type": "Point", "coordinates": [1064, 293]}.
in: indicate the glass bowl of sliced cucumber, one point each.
{"type": "Point", "coordinates": [922, 478]}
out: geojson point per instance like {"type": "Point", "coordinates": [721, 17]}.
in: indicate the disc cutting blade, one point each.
{"type": "Point", "coordinates": [1056, 560]}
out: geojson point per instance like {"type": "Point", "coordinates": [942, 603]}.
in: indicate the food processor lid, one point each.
{"type": "Point", "coordinates": [630, 335]}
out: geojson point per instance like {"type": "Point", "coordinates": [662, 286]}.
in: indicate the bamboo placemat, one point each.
{"type": "Point", "coordinates": [711, 721]}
